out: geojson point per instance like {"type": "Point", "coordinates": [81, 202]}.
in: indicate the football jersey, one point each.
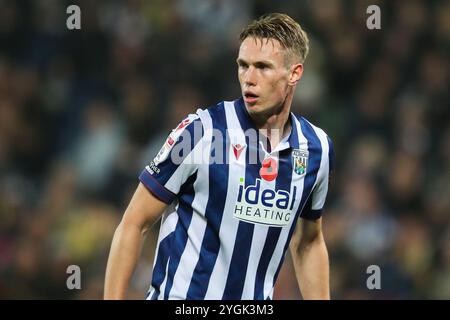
{"type": "Point", "coordinates": [233, 203]}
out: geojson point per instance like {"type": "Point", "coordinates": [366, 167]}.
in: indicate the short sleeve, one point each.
{"type": "Point", "coordinates": [316, 201]}
{"type": "Point", "coordinates": [175, 162]}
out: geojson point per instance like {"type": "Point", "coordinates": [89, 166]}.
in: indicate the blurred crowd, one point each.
{"type": "Point", "coordinates": [83, 111]}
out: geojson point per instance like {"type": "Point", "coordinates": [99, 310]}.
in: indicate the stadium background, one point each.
{"type": "Point", "coordinates": [81, 113]}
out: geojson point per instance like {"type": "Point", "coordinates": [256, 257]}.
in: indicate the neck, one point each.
{"type": "Point", "coordinates": [275, 126]}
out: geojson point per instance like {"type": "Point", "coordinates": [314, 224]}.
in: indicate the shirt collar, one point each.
{"type": "Point", "coordinates": [290, 141]}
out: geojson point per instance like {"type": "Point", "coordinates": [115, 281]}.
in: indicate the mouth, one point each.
{"type": "Point", "coordinates": [250, 97]}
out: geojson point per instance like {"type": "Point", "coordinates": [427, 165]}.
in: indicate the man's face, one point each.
{"type": "Point", "coordinates": [264, 75]}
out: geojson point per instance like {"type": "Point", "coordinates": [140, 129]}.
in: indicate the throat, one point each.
{"type": "Point", "coordinates": [272, 138]}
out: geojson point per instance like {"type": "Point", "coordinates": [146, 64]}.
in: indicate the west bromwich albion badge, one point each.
{"type": "Point", "coordinates": [300, 161]}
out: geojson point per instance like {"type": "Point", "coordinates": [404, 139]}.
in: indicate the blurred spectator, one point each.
{"type": "Point", "coordinates": [81, 113]}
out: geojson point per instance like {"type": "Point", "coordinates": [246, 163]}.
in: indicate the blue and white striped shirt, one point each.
{"type": "Point", "coordinates": [230, 217]}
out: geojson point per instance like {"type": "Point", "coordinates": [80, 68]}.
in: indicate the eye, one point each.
{"type": "Point", "coordinates": [262, 66]}
{"type": "Point", "coordinates": [242, 65]}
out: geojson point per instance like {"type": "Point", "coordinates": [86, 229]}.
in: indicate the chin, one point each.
{"type": "Point", "coordinates": [254, 108]}
{"type": "Point", "coordinates": [258, 107]}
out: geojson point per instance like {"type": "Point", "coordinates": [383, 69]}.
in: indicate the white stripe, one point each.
{"type": "Point", "coordinates": [187, 166]}
{"type": "Point", "coordinates": [229, 225]}
{"type": "Point", "coordinates": [197, 227]}
{"type": "Point", "coordinates": [168, 224]}
{"type": "Point", "coordinates": [150, 293]}
{"type": "Point", "coordinates": [321, 185]}
{"type": "Point", "coordinates": [278, 252]}
{"type": "Point", "coordinates": [257, 246]}
{"type": "Point", "coordinates": [163, 285]}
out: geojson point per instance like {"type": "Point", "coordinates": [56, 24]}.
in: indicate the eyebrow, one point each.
{"type": "Point", "coordinates": [256, 63]}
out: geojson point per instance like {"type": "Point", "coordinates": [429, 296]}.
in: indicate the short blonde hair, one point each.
{"type": "Point", "coordinates": [283, 28]}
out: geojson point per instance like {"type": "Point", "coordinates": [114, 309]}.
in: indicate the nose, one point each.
{"type": "Point", "coordinates": [250, 76]}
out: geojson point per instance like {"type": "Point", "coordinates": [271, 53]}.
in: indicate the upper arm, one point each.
{"type": "Point", "coordinates": [144, 209]}
{"type": "Point", "coordinates": [175, 162]}
{"type": "Point", "coordinates": [306, 232]}
{"type": "Point", "coordinates": [161, 180]}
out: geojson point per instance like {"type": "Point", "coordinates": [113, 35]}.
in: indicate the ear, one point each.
{"type": "Point", "coordinates": [295, 74]}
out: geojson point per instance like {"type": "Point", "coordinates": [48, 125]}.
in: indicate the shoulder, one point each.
{"type": "Point", "coordinates": [215, 115]}
{"type": "Point", "coordinates": [318, 138]}
{"type": "Point", "coordinates": [217, 109]}
{"type": "Point", "coordinates": [312, 131]}
{"type": "Point", "coordinates": [202, 115]}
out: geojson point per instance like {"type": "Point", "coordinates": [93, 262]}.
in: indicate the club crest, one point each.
{"type": "Point", "coordinates": [300, 161]}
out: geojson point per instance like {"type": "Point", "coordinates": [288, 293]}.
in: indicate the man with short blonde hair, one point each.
{"type": "Point", "coordinates": [227, 221]}
{"type": "Point", "coordinates": [282, 28]}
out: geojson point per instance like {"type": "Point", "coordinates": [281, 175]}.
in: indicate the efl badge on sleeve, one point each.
{"type": "Point", "coordinates": [300, 159]}
{"type": "Point", "coordinates": [173, 138]}
{"type": "Point", "coordinates": [163, 153]}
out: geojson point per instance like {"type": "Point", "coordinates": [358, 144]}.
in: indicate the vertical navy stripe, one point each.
{"type": "Point", "coordinates": [294, 138]}
{"type": "Point", "coordinates": [214, 210]}
{"type": "Point", "coordinates": [284, 181]}
{"type": "Point", "coordinates": [243, 241]}
{"type": "Point", "coordinates": [243, 116]}
{"type": "Point", "coordinates": [315, 155]}
{"type": "Point", "coordinates": [269, 247]}
{"type": "Point", "coordinates": [180, 237]}
{"type": "Point", "coordinates": [159, 271]}
{"type": "Point", "coordinates": [241, 251]}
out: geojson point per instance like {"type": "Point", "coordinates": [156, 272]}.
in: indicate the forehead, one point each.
{"type": "Point", "coordinates": [261, 48]}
